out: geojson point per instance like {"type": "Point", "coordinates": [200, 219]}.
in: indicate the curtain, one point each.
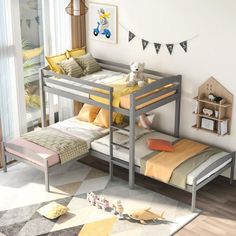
{"type": "Point", "coordinates": [57, 38]}
{"type": "Point", "coordinates": [12, 104]}
{"type": "Point", "coordinates": [78, 40]}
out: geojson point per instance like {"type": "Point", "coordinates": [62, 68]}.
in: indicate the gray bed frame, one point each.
{"type": "Point", "coordinates": [89, 87]}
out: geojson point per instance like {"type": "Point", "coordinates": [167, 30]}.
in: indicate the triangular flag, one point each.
{"type": "Point", "coordinates": [144, 43]}
{"type": "Point", "coordinates": [184, 45]}
{"type": "Point", "coordinates": [28, 22]}
{"type": "Point", "coordinates": [157, 47]}
{"type": "Point", "coordinates": [170, 47]}
{"type": "Point", "coordinates": [37, 19]}
{"type": "Point", "coordinates": [131, 36]}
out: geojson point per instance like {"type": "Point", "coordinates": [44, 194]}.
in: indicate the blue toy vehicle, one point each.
{"type": "Point", "coordinates": [105, 32]}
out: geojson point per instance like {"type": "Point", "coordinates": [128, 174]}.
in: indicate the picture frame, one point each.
{"type": "Point", "coordinates": [103, 22]}
{"type": "Point", "coordinates": [207, 124]}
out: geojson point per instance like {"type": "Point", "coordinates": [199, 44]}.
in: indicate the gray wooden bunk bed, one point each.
{"type": "Point", "coordinates": [136, 99]}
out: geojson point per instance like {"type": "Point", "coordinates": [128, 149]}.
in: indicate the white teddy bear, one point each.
{"type": "Point", "coordinates": [136, 76]}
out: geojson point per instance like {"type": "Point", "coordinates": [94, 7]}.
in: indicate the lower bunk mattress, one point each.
{"type": "Point", "coordinates": [141, 150]}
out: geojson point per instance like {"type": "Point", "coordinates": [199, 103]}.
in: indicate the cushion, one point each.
{"type": "Point", "coordinates": [52, 210]}
{"type": "Point", "coordinates": [88, 63]}
{"type": "Point", "coordinates": [160, 145]}
{"type": "Point", "coordinates": [53, 62]}
{"type": "Point", "coordinates": [102, 118]}
{"type": "Point", "coordinates": [146, 121]}
{"type": "Point", "coordinates": [77, 52]}
{"type": "Point", "coordinates": [71, 68]}
{"type": "Point", "coordinates": [88, 113]}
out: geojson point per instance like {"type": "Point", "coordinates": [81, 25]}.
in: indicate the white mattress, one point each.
{"type": "Point", "coordinates": [101, 77]}
{"type": "Point", "coordinates": [80, 129]}
{"type": "Point", "coordinates": [141, 150]}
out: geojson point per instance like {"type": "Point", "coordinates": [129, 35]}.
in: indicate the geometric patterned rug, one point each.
{"type": "Point", "coordinates": [25, 221]}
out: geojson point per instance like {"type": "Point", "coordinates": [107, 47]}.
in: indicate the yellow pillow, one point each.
{"type": "Point", "coordinates": [102, 118]}
{"type": "Point", "coordinates": [52, 210]}
{"type": "Point", "coordinates": [53, 62]}
{"type": "Point", "coordinates": [77, 52]}
{"type": "Point", "coordinates": [88, 113]}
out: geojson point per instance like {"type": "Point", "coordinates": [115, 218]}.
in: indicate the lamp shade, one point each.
{"type": "Point", "coordinates": [76, 8]}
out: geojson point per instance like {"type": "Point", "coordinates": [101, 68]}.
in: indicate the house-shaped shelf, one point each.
{"type": "Point", "coordinates": [217, 119]}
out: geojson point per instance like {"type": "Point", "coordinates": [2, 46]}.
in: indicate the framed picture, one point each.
{"type": "Point", "coordinates": [103, 22]}
{"type": "Point", "coordinates": [207, 124]}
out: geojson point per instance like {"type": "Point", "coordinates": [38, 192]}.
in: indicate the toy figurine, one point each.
{"type": "Point", "coordinates": [114, 211]}
{"type": "Point", "coordinates": [120, 209]}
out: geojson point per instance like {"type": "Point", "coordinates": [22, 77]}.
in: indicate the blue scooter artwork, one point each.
{"type": "Point", "coordinates": [97, 31]}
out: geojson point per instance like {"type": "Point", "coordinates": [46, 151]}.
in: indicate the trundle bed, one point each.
{"type": "Point", "coordinates": [101, 142]}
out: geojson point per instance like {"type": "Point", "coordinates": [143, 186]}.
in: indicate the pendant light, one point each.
{"type": "Point", "coordinates": [76, 8]}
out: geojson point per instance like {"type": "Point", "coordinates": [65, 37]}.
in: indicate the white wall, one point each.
{"type": "Point", "coordinates": [212, 53]}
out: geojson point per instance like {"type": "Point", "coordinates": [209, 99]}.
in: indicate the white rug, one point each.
{"type": "Point", "coordinates": [23, 192]}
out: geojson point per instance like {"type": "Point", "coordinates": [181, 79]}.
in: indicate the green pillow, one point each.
{"type": "Point", "coordinates": [71, 68]}
{"type": "Point", "coordinates": [88, 63]}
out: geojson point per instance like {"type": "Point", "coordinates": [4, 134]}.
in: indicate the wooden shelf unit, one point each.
{"type": "Point", "coordinates": [224, 107]}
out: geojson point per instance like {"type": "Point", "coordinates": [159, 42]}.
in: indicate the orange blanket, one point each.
{"type": "Point", "coordinates": [162, 165]}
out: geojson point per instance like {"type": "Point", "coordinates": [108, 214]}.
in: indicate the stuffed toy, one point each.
{"type": "Point", "coordinates": [136, 76]}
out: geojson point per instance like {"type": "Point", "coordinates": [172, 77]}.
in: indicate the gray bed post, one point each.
{"type": "Point", "coordinates": [42, 99]}
{"type": "Point", "coordinates": [132, 141]}
{"type": "Point", "coordinates": [46, 175]}
{"type": "Point", "coordinates": [4, 161]}
{"type": "Point", "coordinates": [177, 108]}
{"type": "Point", "coordinates": [232, 168]}
{"type": "Point", "coordinates": [194, 194]}
{"type": "Point", "coordinates": [111, 132]}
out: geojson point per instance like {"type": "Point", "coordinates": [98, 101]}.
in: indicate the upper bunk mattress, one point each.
{"type": "Point", "coordinates": [141, 150]}
{"type": "Point", "coordinates": [117, 80]}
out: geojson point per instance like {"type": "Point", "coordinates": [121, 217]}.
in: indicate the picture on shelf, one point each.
{"type": "Point", "coordinates": [207, 124]}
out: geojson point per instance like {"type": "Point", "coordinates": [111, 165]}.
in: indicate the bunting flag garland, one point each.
{"type": "Point", "coordinates": [170, 47]}
{"type": "Point", "coordinates": [144, 43]}
{"type": "Point", "coordinates": [131, 36]}
{"type": "Point", "coordinates": [157, 45]}
{"type": "Point", "coordinates": [184, 45]}
{"type": "Point", "coordinates": [29, 21]}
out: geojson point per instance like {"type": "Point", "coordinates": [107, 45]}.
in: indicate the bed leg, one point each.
{"type": "Point", "coordinates": [232, 169]}
{"type": "Point", "coordinates": [46, 175]}
{"type": "Point", "coordinates": [194, 196]}
{"type": "Point", "coordinates": [4, 161]}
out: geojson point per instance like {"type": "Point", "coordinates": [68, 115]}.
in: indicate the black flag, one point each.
{"type": "Point", "coordinates": [184, 45]}
{"type": "Point", "coordinates": [28, 22]}
{"type": "Point", "coordinates": [131, 36]}
{"type": "Point", "coordinates": [144, 43]}
{"type": "Point", "coordinates": [170, 47]}
{"type": "Point", "coordinates": [37, 19]}
{"type": "Point", "coordinates": [157, 47]}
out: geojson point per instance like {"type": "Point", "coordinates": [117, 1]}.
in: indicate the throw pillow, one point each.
{"type": "Point", "coordinates": [88, 113]}
{"type": "Point", "coordinates": [71, 68]}
{"type": "Point", "coordinates": [53, 62]}
{"type": "Point", "coordinates": [88, 63]}
{"type": "Point", "coordinates": [77, 52]}
{"type": "Point", "coordinates": [160, 145]}
{"type": "Point", "coordinates": [52, 210]}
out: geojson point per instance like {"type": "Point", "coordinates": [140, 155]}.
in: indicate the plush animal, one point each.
{"type": "Point", "coordinates": [144, 215]}
{"type": "Point", "coordinates": [136, 76]}
{"type": "Point", "coordinates": [213, 98]}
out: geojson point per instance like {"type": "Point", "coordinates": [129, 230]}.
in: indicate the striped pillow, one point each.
{"type": "Point", "coordinates": [71, 68]}
{"type": "Point", "coordinates": [88, 63]}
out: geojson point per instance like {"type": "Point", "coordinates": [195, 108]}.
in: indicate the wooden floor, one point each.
{"type": "Point", "coordinates": [217, 200]}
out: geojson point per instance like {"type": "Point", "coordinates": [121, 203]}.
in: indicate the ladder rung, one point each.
{"type": "Point", "coordinates": [120, 145]}
{"type": "Point", "coordinates": [120, 127]}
